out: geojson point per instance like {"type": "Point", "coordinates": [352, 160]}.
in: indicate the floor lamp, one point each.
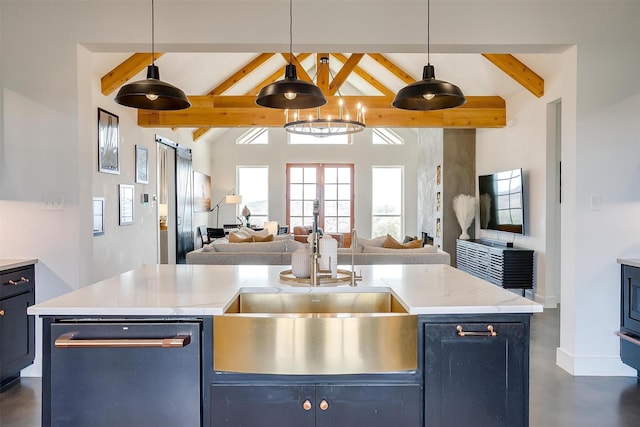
{"type": "Point", "coordinates": [230, 198]}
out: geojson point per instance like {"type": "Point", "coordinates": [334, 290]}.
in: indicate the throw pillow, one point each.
{"type": "Point", "coordinates": [238, 238]}
{"type": "Point", "coordinates": [392, 243]}
{"type": "Point", "coordinates": [259, 238]}
{"type": "Point", "coordinates": [424, 250]}
{"type": "Point", "coordinates": [376, 241]}
{"type": "Point", "coordinates": [408, 239]}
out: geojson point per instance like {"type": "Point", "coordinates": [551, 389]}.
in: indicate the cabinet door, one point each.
{"type": "Point", "coordinates": [476, 380]}
{"type": "Point", "coordinates": [631, 299]}
{"type": "Point", "coordinates": [262, 405]}
{"type": "Point", "coordinates": [368, 405]}
{"type": "Point", "coordinates": [16, 334]}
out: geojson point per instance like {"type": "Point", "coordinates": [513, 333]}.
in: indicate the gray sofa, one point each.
{"type": "Point", "coordinates": [279, 253]}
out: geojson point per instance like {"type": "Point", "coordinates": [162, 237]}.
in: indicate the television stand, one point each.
{"type": "Point", "coordinates": [495, 242]}
{"type": "Point", "coordinates": [508, 267]}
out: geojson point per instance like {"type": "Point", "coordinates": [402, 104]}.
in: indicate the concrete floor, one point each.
{"type": "Point", "coordinates": [557, 399]}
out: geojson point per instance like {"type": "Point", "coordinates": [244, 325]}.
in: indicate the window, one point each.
{"type": "Point", "coordinates": [254, 136]}
{"type": "Point", "coordinates": [331, 185]}
{"type": "Point", "coordinates": [385, 136]}
{"type": "Point", "coordinates": [387, 203]}
{"type": "Point", "coordinates": [253, 186]}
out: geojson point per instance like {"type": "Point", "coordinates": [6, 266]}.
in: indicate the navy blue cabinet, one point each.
{"type": "Point", "coordinates": [336, 405]}
{"type": "Point", "coordinates": [17, 329]}
{"type": "Point", "coordinates": [476, 374]}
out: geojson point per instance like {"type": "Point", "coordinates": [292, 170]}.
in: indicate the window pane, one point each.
{"type": "Point", "coordinates": [330, 192]}
{"type": "Point", "coordinates": [295, 174]}
{"type": "Point", "coordinates": [296, 192]}
{"type": "Point", "coordinates": [331, 175]}
{"type": "Point", "coordinates": [386, 206]}
{"type": "Point", "coordinates": [330, 225]}
{"type": "Point", "coordinates": [344, 208]}
{"type": "Point", "coordinates": [344, 192]}
{"type": "Point", "coordinates": [295, 208]}
{"type": "Point", "coordinates": [310, 192]}
{"type": "Point", "coordinates": [309, 175]}
{"type": "Point", "coordinates": [344, 175]}
{"type": "Point", "coordinates": [343, 225]}
{"type": "Point", "coordinates": [330, 209]}
{"type": "Point", "coordinates": [253, 185]}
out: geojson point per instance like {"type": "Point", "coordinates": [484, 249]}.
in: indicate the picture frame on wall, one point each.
{"type": "Point", "coordinates": [108, 142]}
{"type": "Point", "coordinates": [201, 192]}
{"type": "Point", "coordinates": [142, 164]}
{"type": "Point", "coordinates": [126, 204]}
{"type": "Point", "coordinates": [98, 216]}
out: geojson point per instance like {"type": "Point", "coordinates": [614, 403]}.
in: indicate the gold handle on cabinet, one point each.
{"type": "Point", "coordinates": [1, 312]}
{"type": "Point", "coordinates": [324, 405]}
{"type": "Point", "coordinates": [306, 405]}
{"type": "Point", "coordinates": [67, 341]}
{"type": "Point", "coordinates": [22, 279]}
{"type": "Point", "coordinates": [490, 332]}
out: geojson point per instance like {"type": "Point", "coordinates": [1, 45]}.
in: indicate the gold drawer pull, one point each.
{"type": "Point", "coordinates": [306, 405]}
{"type": "Point", "coordinates": [490, 332]}
{"type": "Point", "coordinates": [22, 279]}
{"type": "Point", "coordinates": [67, 341]}
{"type": "Point", "coordinates": [324, 405]}
{"type": "Point", "coordinates": [1, 313]}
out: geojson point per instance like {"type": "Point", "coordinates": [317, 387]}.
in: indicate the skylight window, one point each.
{"type": "Point", "coordinates": [254, 136]}
{"type": "Point", "coordinates": [295, 138]}
{"type": "Point", "coordinates": [386, 136]}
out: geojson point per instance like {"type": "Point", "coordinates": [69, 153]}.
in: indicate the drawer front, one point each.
{"type": "Point", "coordinates": [17, 281]}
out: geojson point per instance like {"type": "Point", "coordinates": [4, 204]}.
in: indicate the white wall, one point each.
{"type": "Point", "coordinates": [47, 119]}
{"type": "Point", "coordinates": [226, 154]}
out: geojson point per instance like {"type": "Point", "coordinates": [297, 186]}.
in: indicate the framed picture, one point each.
{"type": "Point", "coordinates": [201, 192]}
{"type": "Point", "coordinates": [142, 165]}
{"type": "Point", "coordinates": [126, 204]}
{"type": "Point", "coordinates": [108, 142]}
{"type": "Point", "coordinates": [98, 216]}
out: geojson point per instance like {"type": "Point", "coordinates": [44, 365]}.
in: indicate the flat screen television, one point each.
{"type": "Point", "coordinates": [502, 201]}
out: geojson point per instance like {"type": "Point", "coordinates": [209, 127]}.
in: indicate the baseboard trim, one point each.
{"type": "Point", "coordinates": [593, 366]}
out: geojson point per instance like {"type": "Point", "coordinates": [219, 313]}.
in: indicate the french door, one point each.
{"type": "Point", "coordinates": [329, 183]}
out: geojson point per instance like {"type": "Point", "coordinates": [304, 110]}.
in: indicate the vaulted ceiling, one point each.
{"type": "Point", "coordinates": [222, 86]}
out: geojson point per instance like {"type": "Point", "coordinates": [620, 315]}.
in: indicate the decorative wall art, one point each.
{"type": "Point", "coordinates": [201, 192]}
{"type": "Point", "coordinates": [126, 204]}
{"type": "Point", "coordinates": [142, 165]}
{"type": "Point", "coordinates": [98, 216]}
{"type": "Point", "coordinates": [108, 142]}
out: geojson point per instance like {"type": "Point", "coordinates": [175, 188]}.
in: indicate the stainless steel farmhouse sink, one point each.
{"type": "Point", "coordinates": [315, 333]}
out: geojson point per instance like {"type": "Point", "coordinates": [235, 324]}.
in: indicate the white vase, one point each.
{"type": "Point", "coordinates": [301, 262]}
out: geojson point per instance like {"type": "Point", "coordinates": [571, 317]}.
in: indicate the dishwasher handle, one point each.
{"type": "Point", "coordinates": [67, 341]}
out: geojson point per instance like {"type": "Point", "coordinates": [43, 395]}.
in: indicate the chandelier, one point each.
{"type": "Point", "coordinates": [319, 126]}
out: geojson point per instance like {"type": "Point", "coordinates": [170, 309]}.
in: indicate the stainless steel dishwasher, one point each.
{"type": "Point", "coordinates": [125, 374]}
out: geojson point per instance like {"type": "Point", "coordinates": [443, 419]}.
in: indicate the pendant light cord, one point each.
{"type": "Point", "coordinates": [428, 31]}
{"type": "Point", "coordinates": [290, 31]}
{"type": "Point", "coordinates": [153, 52]}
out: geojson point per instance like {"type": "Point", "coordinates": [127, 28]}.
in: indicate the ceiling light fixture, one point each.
{"type": "Point", "coordinates": [429, 93]}
{"type": "Point", "coordinates": [152, 93]}
{"type": "Point", "coordinates": [291, 92]}
{"type": "Point", "coordinates": [328, 126]}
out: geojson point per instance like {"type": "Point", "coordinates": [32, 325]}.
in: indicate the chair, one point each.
{"type": "Point", "coordinates": [204, 235]}
{"type": "Point", "coordinates": [283, 229]}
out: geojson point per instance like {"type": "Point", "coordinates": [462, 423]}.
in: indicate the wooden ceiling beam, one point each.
{"type": "Point", "coordinates": [392, 67]}
{"type": "Point", "coordinates": [241, 111]}
{"type": "Point", "coordinates": [518, 71]}
{"type": "Point", "coordinates": [125, 71]}
{"type": "Point", "coordinates": [347, 68]}
{"type": "Point", "coordinates": [240, 74]}
{"type": "Point", "coordinates": [367, 77]}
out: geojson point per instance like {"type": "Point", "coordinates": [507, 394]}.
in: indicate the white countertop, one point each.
{"type": "Point", "coordinates": [6, 264]}
{"type": "Point", "coordinates": [201, 290]}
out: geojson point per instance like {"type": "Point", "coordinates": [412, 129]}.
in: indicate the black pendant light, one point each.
{"type": "Point", "coordinates": [152, 93]}
{"type": "Point", "coordinates": [291, 93]}
{"type": "Point", "coordinates": [429, 93]}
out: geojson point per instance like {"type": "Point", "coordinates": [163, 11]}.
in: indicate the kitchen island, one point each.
{"type": "Point", "coordinates": [143, 343]}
